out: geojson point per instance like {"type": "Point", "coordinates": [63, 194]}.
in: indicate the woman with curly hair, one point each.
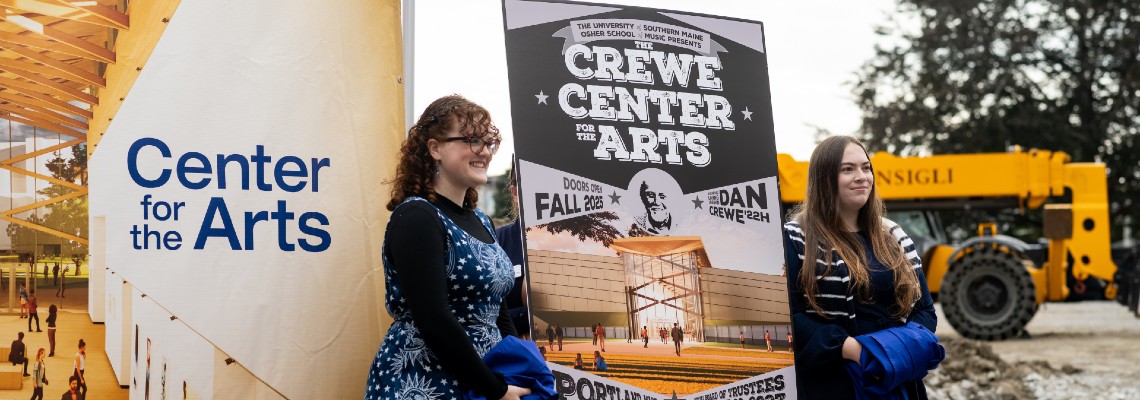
{"type": "Point", "coordinates": [851, 272]}
{"type": "Point", "coordinates": [446, 277]}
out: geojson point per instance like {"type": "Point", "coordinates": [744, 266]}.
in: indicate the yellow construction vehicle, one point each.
{"type": "Point", "coordinates": [990, 285]}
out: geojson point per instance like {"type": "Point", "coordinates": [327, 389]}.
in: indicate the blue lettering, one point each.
{"type": "Point", "coordinates": [132, 162]}
{"type": "Point", "coordinates": [279, 173]}
{"type": "Point", "coordinates": [241, 161]}
{"type": "Point", "coordinates": [184, 169]}
{"type": "Point", "coordinates": [195, 171]}
{"type": "Point", "coordinates": [323, 235]}
{"type": "Point", "coordinates": [217, 205]}
{"type": "Point", "coordinates": [259, 159]}
{"type": "Point", "coordinates": [282, 215]}
{"type": "Point", "coordinates": [251, 220]}
{"type": "Point", "coordinates": [317, 164]}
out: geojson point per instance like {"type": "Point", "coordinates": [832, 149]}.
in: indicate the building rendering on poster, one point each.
{"type": "Point", "coordinates": [647, 177]}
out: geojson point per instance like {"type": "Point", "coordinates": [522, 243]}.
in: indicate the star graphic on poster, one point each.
{"type": "Point", "coordinates": [541, 97]}
{"type": "Point", "coordinates": [747, 114]}
{"type": "Point", "coordinates": [614, 198]}
{"type": "Point", "coordinates": [697, 202]}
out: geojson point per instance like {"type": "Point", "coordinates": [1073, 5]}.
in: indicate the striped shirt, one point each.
{"type": "Point", "coordinates": [836, 293]}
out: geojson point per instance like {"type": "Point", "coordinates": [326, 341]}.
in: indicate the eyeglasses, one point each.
{"type": "Point", "coordinates": [477, 144]}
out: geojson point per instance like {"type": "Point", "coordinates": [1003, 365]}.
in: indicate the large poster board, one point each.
{"type": "Point", "coordinates": [647, 187]}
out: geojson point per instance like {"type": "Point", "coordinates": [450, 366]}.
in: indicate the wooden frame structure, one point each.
{"type": "Point", "coordinates": [664, 272]}
{"type": "Point", "coordinates": [54, 55]}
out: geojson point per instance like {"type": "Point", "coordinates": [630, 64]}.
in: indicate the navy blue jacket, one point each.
{"type": "Point", "coordinates": [820, 367]}
{"type": "Point", "coordinates": [510, 238]}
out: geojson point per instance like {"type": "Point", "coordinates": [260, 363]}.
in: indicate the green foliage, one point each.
{"type": "Point", "coordinates": [636, 230]}
{"type": "Point", "coordinates": [505, 205]}
{"type": "Point", "coordinates": [68, 216]}
{"type": "Point", "coordinates": [595, 226]}
{"type": "Point", "coordinates": [24, 238]}
{"type": "Point", "coordinates": [980, 76]}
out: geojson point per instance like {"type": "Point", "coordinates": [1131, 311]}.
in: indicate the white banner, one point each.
{"type": "Point", "coordinates": [572, 383]}
{"type": "Point", "coordinates": [166, 356]}
{"type": "Point", "coordinates": [591, 30]}
{"type": "Point", "coordinates": [240, 182]}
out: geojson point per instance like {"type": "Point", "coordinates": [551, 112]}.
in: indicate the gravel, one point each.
{"type": "Point", "coordinates": [1087, 350]}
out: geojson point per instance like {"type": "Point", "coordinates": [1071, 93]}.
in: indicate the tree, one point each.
{"type": "Point", "coordinates": [636, 230]}
{"type": "Point", "coordinates": [25, 239]}
{"type": "Point", "coordinates": [506, 208]}
{"type": "Point", "coordinates": [69, 216]}
{"type": "Point", "coordinates": [594, 227]}
{"type": "Point", "coordinates": [980, 76]}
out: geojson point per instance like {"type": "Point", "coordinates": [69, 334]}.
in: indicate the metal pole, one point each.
{"type": "Point", "coordinates": [409, 39]}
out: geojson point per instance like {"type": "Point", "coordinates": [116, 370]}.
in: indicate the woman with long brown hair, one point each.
{"type": "Point", "coordinates": [867, 275]}
{"type": "Point", "coordinates": [39, 376]}
{"type": "Point", "coordinates": [446, 277]}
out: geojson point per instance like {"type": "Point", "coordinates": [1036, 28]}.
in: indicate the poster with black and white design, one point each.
{"type": "Point", "coordinates": [647, 187]}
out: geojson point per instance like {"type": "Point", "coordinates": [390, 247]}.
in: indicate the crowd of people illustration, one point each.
{"type": "Point", "coordinates": [552, 338]}
{"type": "Point", "coordinates": [20, 351]}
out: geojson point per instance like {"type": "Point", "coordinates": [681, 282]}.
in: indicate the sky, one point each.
{"type": "Point", "coordinates": [814, 48]}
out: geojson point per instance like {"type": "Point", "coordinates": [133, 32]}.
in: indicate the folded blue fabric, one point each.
{"type": "Point", "coordinates": [892, 357]}
{"type": "Point", "coordinates": [521, 365]}
{"type": "Point", "coordinates": [601, 364]}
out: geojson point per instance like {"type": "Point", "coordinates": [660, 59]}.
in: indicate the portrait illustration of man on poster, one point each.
{"type": "Point", "coordinates": [657, 219]}
{"type": "Point", "coordinates": [659, 213]}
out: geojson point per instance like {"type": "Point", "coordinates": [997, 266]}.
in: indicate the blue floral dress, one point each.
{"type": "Point", "coordinates": [479, 276]}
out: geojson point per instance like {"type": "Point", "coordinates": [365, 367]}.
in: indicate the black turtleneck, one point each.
{"type": "Point", "coordinates": [415, 244]}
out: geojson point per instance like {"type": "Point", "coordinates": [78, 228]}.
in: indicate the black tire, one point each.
{"type": "Point", "coordinates": [988, 295]}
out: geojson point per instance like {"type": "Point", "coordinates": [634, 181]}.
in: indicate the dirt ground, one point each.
{"type": "Point", "coordinates": [1086, 350]}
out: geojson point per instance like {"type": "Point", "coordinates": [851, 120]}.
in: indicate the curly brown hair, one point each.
{"type": "Point", "coordinates": [415, 175]}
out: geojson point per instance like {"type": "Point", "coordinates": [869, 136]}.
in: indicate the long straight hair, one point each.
{"type": "Point", "coordinates": [819, 218]}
